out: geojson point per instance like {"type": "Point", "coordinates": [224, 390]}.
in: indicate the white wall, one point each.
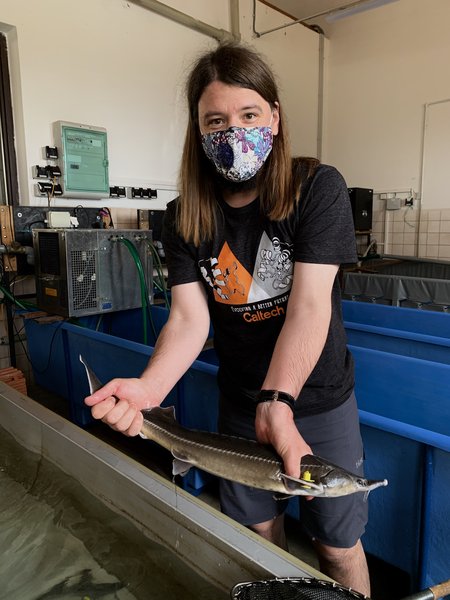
{"type": "Point", "coordinates": [293, 52]}
{"type": "Point", "coordinates": [383, 67]}
{"type": "Point", "coordinates": [117, 65]}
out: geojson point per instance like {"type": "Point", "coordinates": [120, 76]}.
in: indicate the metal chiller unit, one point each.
{"type": "Point", "coordinates": [90, 271]}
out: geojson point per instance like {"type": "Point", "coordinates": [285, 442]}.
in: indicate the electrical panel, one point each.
{"type": "Point", "coordinates": [82, 159]}
{"type": "Point", "coordinates": [92, 271]}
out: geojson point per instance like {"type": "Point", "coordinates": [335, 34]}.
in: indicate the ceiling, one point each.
{"type": "Point", "coordinates": [329, 9]}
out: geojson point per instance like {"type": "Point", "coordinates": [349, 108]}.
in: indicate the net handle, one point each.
{"type": "Point", "coordinates": [432, 593]}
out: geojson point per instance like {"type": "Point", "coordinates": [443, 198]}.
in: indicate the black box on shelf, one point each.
{"type": "Point", "coordinates": [362, 207]}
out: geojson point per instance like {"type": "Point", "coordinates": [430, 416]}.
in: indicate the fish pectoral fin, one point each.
{"type": "Point", "coordinates": [292, 483]}
{"type": "Point", "coordinates": [180, 467]}
{"type": "Point", "coordinates": [181, 464]}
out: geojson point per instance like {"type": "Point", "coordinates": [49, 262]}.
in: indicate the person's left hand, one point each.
{"type": "Point", "coordinates": [275, 425]}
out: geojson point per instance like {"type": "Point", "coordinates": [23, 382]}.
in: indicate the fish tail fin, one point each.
{"type": "Point", "coordinates": [94, 382]}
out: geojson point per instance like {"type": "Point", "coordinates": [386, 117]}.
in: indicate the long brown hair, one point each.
{"type": "Point", "coordinates": [232, 64]}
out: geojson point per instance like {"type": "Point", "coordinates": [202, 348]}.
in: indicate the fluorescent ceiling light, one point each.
{"type": "Point", "coordinates": [354, 8]}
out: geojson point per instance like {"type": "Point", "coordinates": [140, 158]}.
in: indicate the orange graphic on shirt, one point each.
{"type": "Point", "coordinates": [229, 279]}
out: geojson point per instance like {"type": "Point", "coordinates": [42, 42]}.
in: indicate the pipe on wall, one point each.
{"type": "Point", "coordinates": [221, 35]}
{"type": "Point", "coordinates": [320, 99]}
{"type": "Point", "coordinates": [234, 19]}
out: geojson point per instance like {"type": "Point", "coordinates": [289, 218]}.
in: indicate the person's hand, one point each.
{"type": "Point", "coordinates": [119, 404]}
{"type": "Point", "coordinates": [275, 425]}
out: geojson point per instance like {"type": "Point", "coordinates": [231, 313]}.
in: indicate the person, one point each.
{"type": "Point", "coordinates": [253, 245]}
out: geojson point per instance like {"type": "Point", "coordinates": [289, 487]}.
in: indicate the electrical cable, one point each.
{"type": "Point", "coordinates": [52, 340]}
{"type": "Point", "coordinates": [158, 265]}
{"type": "Point", "coordinates": [99, 322]}
{"type": "Point", "coordinates": [159, 270]}
{"type": "Point", "coordinates": [26, 306]}
{"type": "Point", "coordinates": [34, 223]}
{"type": "Point", "coordinates": [160, 274]}
{"type": "Point", "coordinates": [17, 280]}
{"type": "Point", "coordinates": [405, 220]}
{"type": "Point", "coordinates": [76, 211]}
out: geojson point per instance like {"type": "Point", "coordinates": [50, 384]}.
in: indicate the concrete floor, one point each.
{"type": "Point", "coordinates": [388, 582]}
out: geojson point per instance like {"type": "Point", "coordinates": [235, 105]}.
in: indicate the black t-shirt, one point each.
{"type": "Point", "coordinates": [247, 272]}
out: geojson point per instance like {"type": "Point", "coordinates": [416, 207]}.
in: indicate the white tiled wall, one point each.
{"type": "Point", "coordinates": [434, 234]}
{"type": "Point", "coordinates": [409, 231]}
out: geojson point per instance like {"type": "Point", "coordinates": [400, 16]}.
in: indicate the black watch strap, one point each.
{"type": "Point", "coordinates": [271, 395]}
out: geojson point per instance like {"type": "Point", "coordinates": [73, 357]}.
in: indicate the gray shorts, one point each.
{"type": "Point", "coordinates": [334, 436]}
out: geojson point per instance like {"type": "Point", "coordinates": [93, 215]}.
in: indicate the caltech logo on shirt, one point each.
{"type": "Point", "coordinates": [257, 295]}
{"type": "Point", "coordinates": [262, 315]}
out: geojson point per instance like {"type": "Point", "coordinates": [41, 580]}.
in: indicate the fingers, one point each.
{"type": "Point", "coordinates": [123, 416]}
{"type": "Point", "coordinates": [118, 404]}
{"type": "Point", "coordinates": [120, 415]}
{"type": "Point", "coordinates": [102, 394]}
{"type": "Point", "coordinates": [101, 409]}
{"type": "Point", "coordinates": [291, 463]}
{"type": "Point", "coordinates": [136, 424]}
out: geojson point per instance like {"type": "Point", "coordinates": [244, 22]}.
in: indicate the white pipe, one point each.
{"type": "Point", "coordinates": [320, 102]}
{"type": "Point", "coordinates": [234, 19]}
{"type": "Point", "coordinates": [386, 233]}
{"type": "Point", "coordinates": [422, 166]}
{"type": "Point", "coordinates": [295, 22]}
{"type": "Point", "coordinates": [183, 19]}
{"type": "Point", "coordinates": [351, 6]}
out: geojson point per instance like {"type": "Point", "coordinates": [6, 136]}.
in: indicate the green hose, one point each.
{"type": "Point", "coordinates": [137, 261]}
{"type": "Point", "coordinates": [144, 291]}
{"type": "Point", "coordinates": [159, 270]}
{"type": "Point", "coordinates": [12, 298]}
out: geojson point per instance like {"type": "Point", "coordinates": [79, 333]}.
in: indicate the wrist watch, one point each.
{"type": "Point", "coordinates": [275, 395]}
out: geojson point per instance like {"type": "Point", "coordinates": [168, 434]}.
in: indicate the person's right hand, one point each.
{"type": "Point", "coordinates": [119, 404]}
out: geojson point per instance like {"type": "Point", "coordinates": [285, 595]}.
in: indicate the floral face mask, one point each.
{"type": "Point", "coordinates": [238, 152]}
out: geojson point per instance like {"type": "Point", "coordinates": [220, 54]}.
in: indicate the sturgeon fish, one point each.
{"type": "Point", "coordinates": [242, 460]}
{"type": "Point", "coordinates": [81, 585]}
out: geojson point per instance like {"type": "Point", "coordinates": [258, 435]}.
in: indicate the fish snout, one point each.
{"type": "Point", "coordinates": [372, 484]}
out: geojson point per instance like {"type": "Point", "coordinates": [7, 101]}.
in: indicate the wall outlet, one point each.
{"type": "Point", "coordinates": [393, 204]}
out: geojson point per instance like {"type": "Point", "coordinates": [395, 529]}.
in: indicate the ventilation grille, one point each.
{"type": "Point", "coordinates": [84, 280]}
{"type": "Point", "coordinates": [49, 253]}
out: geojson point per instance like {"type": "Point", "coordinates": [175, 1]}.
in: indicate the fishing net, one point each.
{"type": "Point", "coordinates": [293, 588]}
